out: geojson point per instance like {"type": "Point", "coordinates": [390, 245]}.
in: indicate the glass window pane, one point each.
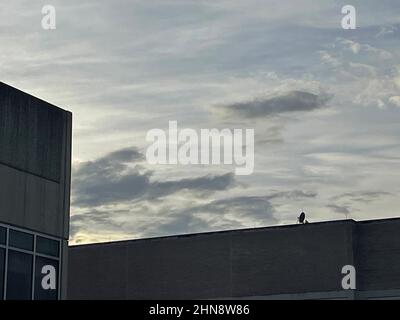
{"type": "Point", "coordinates": [47, 246]}
{"type": "Point", "coordinates": [46, 279]}
{"type": "Point", "coordinates": [19, 276]}
{"type": "Point", "coordinates": [2, 270]}
{"type": "Point", "coordinates": [3, 234]}
{"type": "Point", "coordinates": [21, 240]}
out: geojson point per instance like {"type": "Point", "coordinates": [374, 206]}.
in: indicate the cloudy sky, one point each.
{"type": "Point", "coordinates": [324, 103]}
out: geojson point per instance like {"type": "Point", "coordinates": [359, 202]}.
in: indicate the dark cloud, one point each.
{"type": "Point", "coordinates": [258, 207]}
{"type": "Point", "coordinates": [181, 224]}
{"type": "Point", "coordinates": [228, 213]}
{"type": "Point", "coordinates": [339, 209]}
{"type": "Point", "coordinates": [292, 101]}
{"type": "Point", "coordinates": [125, 155]}
{"type": "Point", "coordinates": [204, 184]}
{"type": "Point", "coordinates": [211, 215]}
{"type": "Point", "coordinates": [293, 195]}
{"type": "Point", "coordinates": [102, 220]}
{"type": "Point", "coordinates": [113, 179]}
{"type": "Point", "coordinates": [108, 164]}
{"type": "Point", "coordinates": [216, 215]}
{"type": "Point", "coordinates": [362, 196]}
{"type": "Point", "coordinates": [346, 200]}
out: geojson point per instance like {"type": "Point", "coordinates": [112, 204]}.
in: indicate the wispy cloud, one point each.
{"type": "Point", "coordinates": [113, 179]}
{"type": "Point", "coordinates": [323, 101]}
{"type": "Point", "coordinates": [283, 103]}
{"type": "Point", "coordinates": [362, 196]}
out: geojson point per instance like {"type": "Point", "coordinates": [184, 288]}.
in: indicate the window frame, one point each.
{"type": "Point", "coordinates": [1, 244]}
{"type": "Point", "coordinates": [34, 254]}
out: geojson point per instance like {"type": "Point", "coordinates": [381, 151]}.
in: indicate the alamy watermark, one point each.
{"type": "Point", "coordinates": [349, 20]}
{"type": "Point", "coordinates": [49, 281]}
{"type": "Point", "coordinates": [49, 17]}
{"type": "Point", "coordinates": [210, 146]}
{"type": "Point", "coordinates": [349, 280]}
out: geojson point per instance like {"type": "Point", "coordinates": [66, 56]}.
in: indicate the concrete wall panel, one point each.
{"type": "Point", "coordinates": [106, 280]}
{"type": "Point", "coordinates": [30, 135]}
{"type": "Point", "coordinates": [287, 260]}
{"type": "Point", "coordinates": [378, 255]}
{"type": "Point", "coordinates": [35, 163]}
{"type": "Point", "coordinates": [241, 263]}
{"type": "Point", "coordinates": [183, 268]}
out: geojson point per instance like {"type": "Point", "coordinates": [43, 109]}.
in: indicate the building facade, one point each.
{"type": "Point", "coordinates": [35, 171]}
{"type": "Point", "coordinates": [282, 262]}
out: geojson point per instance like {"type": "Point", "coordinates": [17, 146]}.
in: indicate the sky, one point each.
{"type": "Point", "coordinates": [324, 103]}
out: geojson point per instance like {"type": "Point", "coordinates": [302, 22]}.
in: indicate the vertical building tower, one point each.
{"type": "Point", "coordinates": [35, 170]}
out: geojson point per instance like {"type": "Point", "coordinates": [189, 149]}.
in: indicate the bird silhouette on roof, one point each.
{"type": "Point", "coordinates": [302, 218]}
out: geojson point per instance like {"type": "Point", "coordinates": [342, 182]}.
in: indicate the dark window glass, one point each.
{"type": "Point", "coordinates": [19, 276]}
{"type": "Point", "coordinates": [46, 279]}
{"type": "Point", "coordinates": [2, 270]}
{"type": "Point", "coordinates": [21, 240]}
{"type": "Point", "coordinates": [3, 234]}
{"type": "Point", "coordinates": [47, 246]}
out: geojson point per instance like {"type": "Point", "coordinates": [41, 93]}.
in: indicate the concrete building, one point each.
{"type": "Point", "coordinates": [35, 170]}
{"type": "Point", "coordinates": [286, 262]}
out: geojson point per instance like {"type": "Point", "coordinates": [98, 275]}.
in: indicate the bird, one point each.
{"type": "Point", "coordinates": [302, 218]}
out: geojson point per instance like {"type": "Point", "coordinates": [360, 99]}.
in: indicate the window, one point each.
{"type": "Point", "coordinates": [27, 260]}
{"type": "Point", "coordinates": [21, 240]}
{"type": "Point", "coordinates": [47, 246]}
{"type": "Point", "coordinates": [19, 276]}
{"type": "Point", "coordinates": [40, 293]}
